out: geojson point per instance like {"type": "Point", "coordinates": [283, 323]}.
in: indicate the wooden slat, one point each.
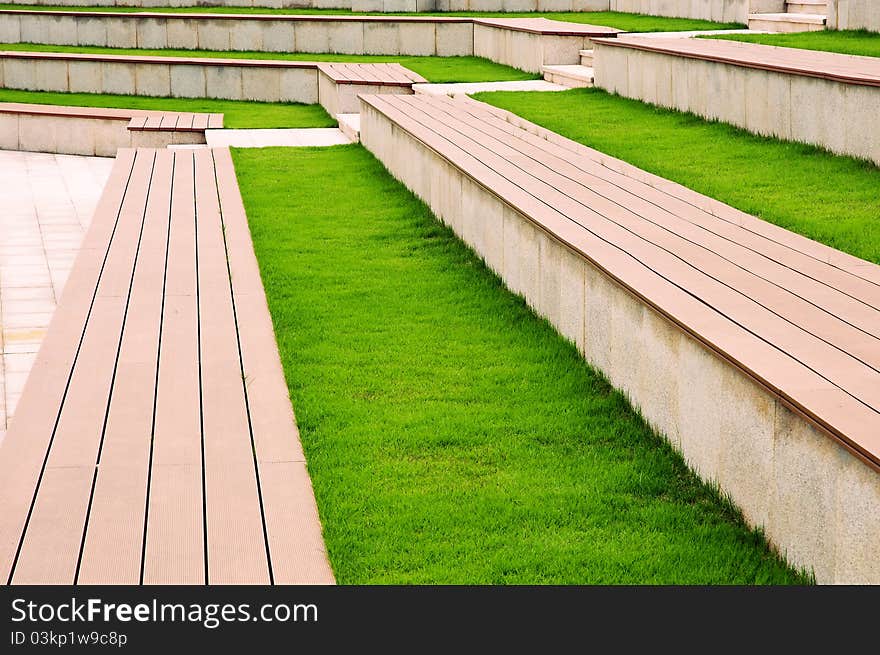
{"type": "Point", "coordinates": [398, 73]}
{"type": "Point", "coordinates": [292, 524]}
{"type": "Point", "coordinates": [841, 415]}
{"type": "Point", "coordinates": [114, 536]}
{"type": "Point", "coordinates": [215, 121]}
{"type": "Point", "coordinates": [26, 444]}
{"type": "Point", "coordinates": [51, 548]}
{"type": "Point", "coordinates": [236, 543]}
{"type": "Point", "coordinates": [63, 111]}
{"type": "Point", "coordinates": [547, 26]}
{"type": "Point", "coordinates": [174, 550]}
{"type": "Point", "coordinates": [80, 426]}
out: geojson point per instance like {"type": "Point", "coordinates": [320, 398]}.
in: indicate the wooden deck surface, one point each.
{"type": "Point", "coordinates": [154, 441]}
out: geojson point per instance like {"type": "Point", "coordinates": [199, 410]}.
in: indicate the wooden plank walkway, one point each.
{"type": "Point", "coordinates": [799, 317]}
{"type": "Point", "coordinates": [851, 69]}
{"type": "Point", "coordinates": [154, 441]}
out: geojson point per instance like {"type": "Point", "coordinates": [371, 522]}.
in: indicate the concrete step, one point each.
{"type": "Point", "coordinates": [350, 124]}
{"type": "Point", "coordinates": [787, 22]}
{"type": "Point", "coordinates": [807, 7]}
{"type": "Point", "coordinates": [587, 58]}
{"type": "Point", "coordinates": [572, 76]}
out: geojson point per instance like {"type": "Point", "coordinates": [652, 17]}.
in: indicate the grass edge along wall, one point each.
{"type": "Point", "coordinates": [451, 435]}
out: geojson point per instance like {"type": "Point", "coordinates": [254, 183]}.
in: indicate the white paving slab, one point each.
{"type": "Point", "coordinates": [477, 87]}
{"type": "Point", "coordinates": [47, 205]}
{"type": "Point", "coordinates": [320, 136]}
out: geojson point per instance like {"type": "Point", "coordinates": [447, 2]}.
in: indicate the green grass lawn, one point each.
{"type": "Point", "coordinates": [848, 42]}
{"type": "Point", "coordinates": [451, 435]}
{"type": "Point", "coordinates": [620, 20]}
{"type": "Point", "coordinates": [832, 199]}
{"type": "Point", "coordinates": [434, 69]}
{"type": "Point", "coordinates": [240, 114]}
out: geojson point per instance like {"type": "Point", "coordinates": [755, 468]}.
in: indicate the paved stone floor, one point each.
{"type": "Point", "coordinates": [318, 136]}
{"type": "Point", "coordinates": [47, 203]}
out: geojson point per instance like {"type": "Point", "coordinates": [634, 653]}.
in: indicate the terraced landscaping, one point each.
{"type": "Point", "coordinates": [439, 70]}
{"type": "Point", "coordinates": [452, 436]}
{"type": "Point", "coordinates": [237, 114]}
{"type": "Point", "coordinates": [848, 42]}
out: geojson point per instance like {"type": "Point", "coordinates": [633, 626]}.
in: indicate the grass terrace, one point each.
{"type": "Point", "coordinates": [434, 69]}
{"type": "Point", "coordinates": [452, 436]}
{"type": "Point", "coordinates": [848, 42]}
{"type": "Point", "coordinates": [825, 197]}
{"type": "Point", "coordinates": [619, 20]}
{"type": "Point", "coordinates": [237, 113]}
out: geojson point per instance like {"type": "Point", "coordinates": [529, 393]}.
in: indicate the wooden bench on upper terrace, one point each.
{"type": "Point", "coordinates": [756, 351]}
{"type": "Point", "coordinates": [154, 440]}
{"type": "Point", "coordinates": [97, 130]}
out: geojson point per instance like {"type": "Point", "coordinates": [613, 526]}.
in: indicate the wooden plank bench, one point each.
{"type": "Point", "coordinates": [852, 69]}
{"type": "Point", "coordinates": [670, 274]}
{"type": "Point", "coordinates": [826, 99]}
{"type": "Point", "coordinates": [97, 130]}
{"type": "Point", "coordinates": [154, 440]}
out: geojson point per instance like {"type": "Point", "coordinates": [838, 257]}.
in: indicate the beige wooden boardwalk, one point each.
{"type": "Point", "coordinates": [154, 440]}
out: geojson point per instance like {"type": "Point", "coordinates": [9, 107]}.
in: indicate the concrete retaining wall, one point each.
{"type": "Point", "coordinates": [76, 135]}
{"type": "Point", "coordinates": [839, 116]}
{"type": "Point", "coordinates": [157, 31]}
{"type": "Point", "coordinates": [818, 503]}
{"type": "Point", "coordinates": [854, 15]}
